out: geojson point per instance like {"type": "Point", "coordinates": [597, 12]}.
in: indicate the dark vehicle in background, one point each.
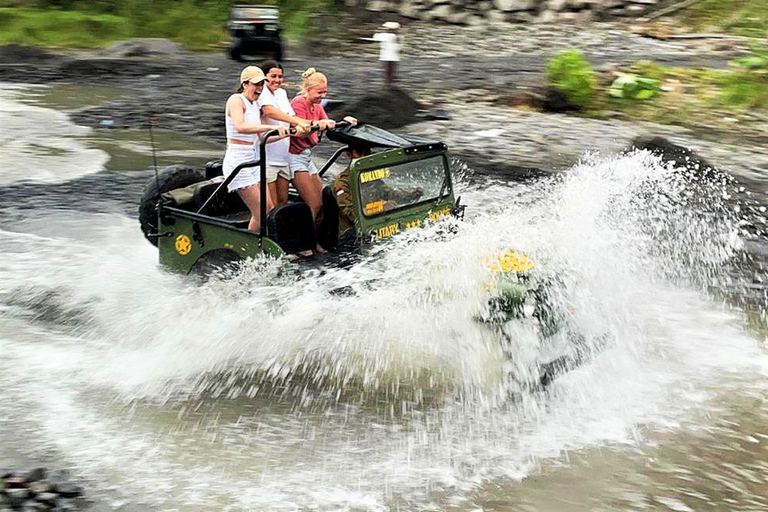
{"type": "Point", "coordinates": [255, 32]}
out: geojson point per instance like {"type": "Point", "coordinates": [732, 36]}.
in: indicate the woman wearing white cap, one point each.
{"type": "Point", "coordinates": [243, 124]}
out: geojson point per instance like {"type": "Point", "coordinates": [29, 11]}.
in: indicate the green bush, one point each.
{"type": "Point", "coordinates": [747, 86]}
{"type": "Point", "coordinates": [630, 85]}
{"type": "Point", "coordinates": [570, 73]}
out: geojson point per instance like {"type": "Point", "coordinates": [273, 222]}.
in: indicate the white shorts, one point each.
{"type": "Point", "coordinates": [238, 154]}
{"type": "Point", "coordinates": [273, 171]}
{"type": "Point", "coordinates": [302, 162]}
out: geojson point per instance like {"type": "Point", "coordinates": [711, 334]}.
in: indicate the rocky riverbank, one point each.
{"type": "Point", "coordinates": [468, 73]}
{"type": "Point", "coordinates": [40, 490]}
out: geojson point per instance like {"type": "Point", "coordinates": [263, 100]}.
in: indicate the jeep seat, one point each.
{"type": "Point", "coordinates": [292, 228]}
{"type": "Point", "coordinates": [224, 203]}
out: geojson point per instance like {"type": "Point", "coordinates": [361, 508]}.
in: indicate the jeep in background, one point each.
{"type": "Point", "coordinates": [255, 32]}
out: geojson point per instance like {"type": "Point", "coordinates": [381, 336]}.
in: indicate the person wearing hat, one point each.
{"type": "Point", "coordinates": [389, 49]}
{"type": "Point", "coordinates": [243, 126]}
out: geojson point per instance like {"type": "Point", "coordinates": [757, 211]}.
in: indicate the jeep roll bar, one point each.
{"type": "Point", "coordinates": [262, 163]}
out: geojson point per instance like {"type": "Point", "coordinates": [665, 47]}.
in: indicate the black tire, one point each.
{"type": "Point", "coordinates": [170, 178]}
{"type": "Point", "coordinates": [235, 50]}
{"type": "Point", "coordinates": [278, 54]}
{"type": "Point", "coordinates": [219, 263]}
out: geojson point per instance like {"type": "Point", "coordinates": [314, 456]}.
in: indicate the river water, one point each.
{"type": "Point", "coordinates": [271, 392]}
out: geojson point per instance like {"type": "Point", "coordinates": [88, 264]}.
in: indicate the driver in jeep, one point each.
{"type": "Point", "coordinates": [345, 201]}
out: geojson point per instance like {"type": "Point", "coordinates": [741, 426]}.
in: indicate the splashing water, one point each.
{"type": "Point", "coordinates": [272, 391]}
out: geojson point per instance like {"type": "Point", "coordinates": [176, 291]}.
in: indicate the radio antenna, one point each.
{"type": "Point", "coordinates": [154, 154]}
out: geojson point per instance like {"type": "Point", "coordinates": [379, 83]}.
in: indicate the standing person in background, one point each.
{"type": "Point", "coordinates": [389, 49]}
{"type": "Point", "coordinates": [276, 109]}
{"type": "Point", "coordinates": [242, 119]}
{"type": "Point", "coordinates": [304, 173]}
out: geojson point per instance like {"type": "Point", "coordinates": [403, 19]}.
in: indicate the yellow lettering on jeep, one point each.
{"type": "Point", "coordinates": [387, 231]}
{"type": "Point", "coordinates": [439, 214]}
{"type": "Point", "coordinates": [183, 245]}
{"type": "Point", "coordinates": [377, 174]}
{"type": "Point", "coordinates": [374, 207]}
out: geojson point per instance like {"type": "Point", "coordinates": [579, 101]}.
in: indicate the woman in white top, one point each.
{"type": "Point", "coordinates": [276, 109]}
{"type": "Point", "coordinates": [243, 124]}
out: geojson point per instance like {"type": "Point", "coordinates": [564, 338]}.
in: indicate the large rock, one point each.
{"type": "Point", "coordinates": [391, 107]}
{"type": "Point", "coordinates": [409, 10]}
{"type": "Point", "coordinates": [557, 5]}
{"type": "Point", "coordinates": [547, 16]}
{"type": "Point", "coordinates": [379, 6]}
{"type": "Point", "coordinates": [514, 5]}
{"type": "Point", "coordinates": [143, 47]}
{"type": "Point", "coordinates": [440, 12]}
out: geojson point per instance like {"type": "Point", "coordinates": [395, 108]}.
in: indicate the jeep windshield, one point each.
{"type": "Point", "coordinates": [399, 186]}
{"type": "Point", "coordinates": [264, 14]}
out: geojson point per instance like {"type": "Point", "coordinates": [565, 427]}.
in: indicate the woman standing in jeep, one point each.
{"type": "Point", "coordinates": [304, 173]}
{"type": "Point", "coordinates": [276, 109]}
{"type": "Point", "coordinates": [243, 126]}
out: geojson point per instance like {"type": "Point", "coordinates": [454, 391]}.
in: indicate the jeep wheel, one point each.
{"type": "Point", "coordinates": [219, 263]}
{"type": "Point", "coordinates": [170, 178]}
{"type": "Point", "coordinates": [235, 50]}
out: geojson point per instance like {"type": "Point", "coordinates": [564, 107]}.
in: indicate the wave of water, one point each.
{"type": "Point", "coordinates": [42, 145]}
{"type": "Point", "coordinates": [270, 391]}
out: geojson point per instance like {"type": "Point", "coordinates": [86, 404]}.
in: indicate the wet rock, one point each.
{"type": "Point", "coordinates": [15, 482]}
{"type": "Point", "coordinates": [671, 152]}
{"type": "Point", "coordinates": [59, 476]}
{"type": "Point", "coordinates": [23, 53]}
{"type": "Point", "coordinates": [41, 486]}
{"type": "Point", "coordinates": [392, 107]}
{"type": "Point", "coordinates": [34, 506]}
{"type": "Point", "coordinates": [144, 47]}
{"type": "Point", "coordinates": [514, 5]}
{"type": "Point", "coordinates": [47, 497]}
{"type": "Point", "coordinates": [16, 497]}
{"type": "Point", "coordinates": [69, 490]}
{"type": "Point", "coordinates": [35, 474]}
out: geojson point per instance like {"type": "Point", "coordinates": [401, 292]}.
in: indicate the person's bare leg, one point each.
{"type": "Point", "coordinates": [318, 183]}
{"type": "Point", "coordinates": [307, 187]}
{"type": "Point", "coordinates": [252, 198]}
{"type": "Point", "coordinates": [281, 197]}
{"type": "Point", "coordinates": [272, 191]}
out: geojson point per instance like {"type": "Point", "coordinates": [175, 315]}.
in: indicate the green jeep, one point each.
{"type": "Point", "coordinates": [199, 227]}
{"type": "Point", "coordinates": [195, 222]}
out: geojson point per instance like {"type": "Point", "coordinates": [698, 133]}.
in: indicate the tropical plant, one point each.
{"type": "Point", "coordinates": [571, 74]}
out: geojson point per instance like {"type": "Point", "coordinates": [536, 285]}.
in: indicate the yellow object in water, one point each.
{"type": "Point", "coordinates": [510, 261]}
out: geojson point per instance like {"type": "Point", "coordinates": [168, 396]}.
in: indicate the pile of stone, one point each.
{"type": "Point", "coordinates": [39, 490]}
{"type": "Point", "coordinates": [477, 12]}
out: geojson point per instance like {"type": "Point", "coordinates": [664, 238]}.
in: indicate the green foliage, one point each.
{"type": "Point", "coordinates": [570, 73]}
{"type": "Point", "coordinates": [91, 23]}
{"type": "Point", "coordinates": [60, 28]}
{"type": "Point", "coordinates": [629, 85]}
{"type": "Point", "coordinates": [747, 86]}
{"type": "Point", "coordinates": [649, 69]}
{"type": "Point", "coordinates": [757, 60]}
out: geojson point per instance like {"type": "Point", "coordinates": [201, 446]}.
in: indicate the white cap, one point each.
{"type": "Point", "coordinates": [391, 25]}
